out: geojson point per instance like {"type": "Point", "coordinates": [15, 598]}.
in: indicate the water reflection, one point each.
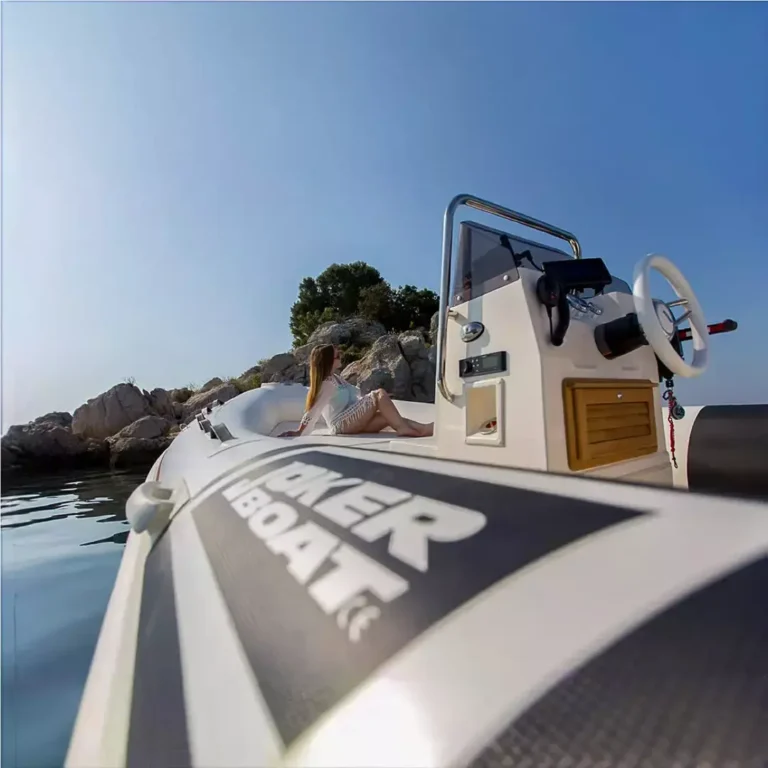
{"type": "Point", "coordinates": [62, 537]}
{"type": "Point", "coordinates": [100, 496]}
{"type": "Point", "coordinates": [116, 538]}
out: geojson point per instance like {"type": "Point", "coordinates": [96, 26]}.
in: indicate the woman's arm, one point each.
{"type": "Point", "coordinates": [294, 432]}
{"type": "Point", "coordinates": [313, 414]}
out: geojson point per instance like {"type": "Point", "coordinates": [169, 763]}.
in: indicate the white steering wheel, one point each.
{"type": "Point", "coordinates": [660, 330]}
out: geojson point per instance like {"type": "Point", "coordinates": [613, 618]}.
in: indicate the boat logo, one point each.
{"type": "Point", "coordinates": [341, 580]}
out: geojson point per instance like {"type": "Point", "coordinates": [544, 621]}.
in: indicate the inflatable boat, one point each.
{"type": "Point", "coordinates": [571, 572]}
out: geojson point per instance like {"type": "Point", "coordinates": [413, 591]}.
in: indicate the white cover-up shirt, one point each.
{"type": "Point", "coordinates": [336, 395]}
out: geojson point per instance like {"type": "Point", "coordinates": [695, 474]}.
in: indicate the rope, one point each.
{"type": "Point", "coordinates": [669, 396]}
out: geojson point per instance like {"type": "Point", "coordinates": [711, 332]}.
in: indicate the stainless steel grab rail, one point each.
{"type": "Point", "coordinates": [445, 275]}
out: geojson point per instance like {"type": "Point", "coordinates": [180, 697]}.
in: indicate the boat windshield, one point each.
{"type": "Point", "coordinates": [488, 259]}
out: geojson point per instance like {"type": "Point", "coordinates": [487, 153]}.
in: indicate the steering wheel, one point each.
{"type": "Point", "coordinates": [653, 325]}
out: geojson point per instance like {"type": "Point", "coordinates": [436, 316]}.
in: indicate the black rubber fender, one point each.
{"type": "Point", "coordinates": [727, 450]}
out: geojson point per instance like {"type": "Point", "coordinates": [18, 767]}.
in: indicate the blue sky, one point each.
{"type": "Point", "coordinates": [171, 171]}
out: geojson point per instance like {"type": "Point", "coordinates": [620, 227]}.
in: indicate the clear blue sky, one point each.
{"type": "Point", "coordinates": [171, 171]}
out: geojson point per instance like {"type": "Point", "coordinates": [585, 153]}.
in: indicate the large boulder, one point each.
{"type": "Point", "coordinates": [277, 364]}
{"type": "Point", "coordinates": [399, 364]}
{"type": "Point", "coordinates": [92, 436]}
{"type": "Point", "coordinates": [209, 385]}
{"type": "Point", "coordinates": [198, 401]}
{"type": "Point", "coordinates": [433, 325]}
{"type": "Point", "coordinates": [353, 335]}
{"type": "Point", "coordinates": [9, 459]}
{"type": "Point", "coordinates": [301, 354]}
{"type": "Point", "coordinates": [48, 445]}
{"type": "Point", "coordinates": [136, 451]}
{"type": "Point", "coordinates": [109, 412]}
{"type": "Point", "coordinates": [385, 367]}
{"type": "Point", "coordinates": [422, 367]}
{"type": "Point", "coordinates": [60, 418]}
{"type": "Point", "coordinates": [43, 439]}
{"type": "Point", "coordinates": [412, 345]}
{"type": "Point", "coordinates": [285, 368]}
{"type": "Point", "coordinates": [353, 330]}
{"type": "Point", "coordinates": [379, 378]}
{"type": "Point", "coordinates": [147, 427]}
{"type": "Point", "coordinates": [161, 403]}
{"type": "Point", "coordinates": [254, 371]}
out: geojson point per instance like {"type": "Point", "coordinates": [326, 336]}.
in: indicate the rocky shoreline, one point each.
{"type": "Point", "coordinates": [130, 427]}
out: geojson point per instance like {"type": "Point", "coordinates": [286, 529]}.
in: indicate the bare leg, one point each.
{"type": "Point", "coordinates": [425, 430]}
{"type": "Point", "coordinates": [389, 411]}
{"type": "Point", "coordinates": [385, 415]}
{"type": "Point", "coordinates": [376, 424]}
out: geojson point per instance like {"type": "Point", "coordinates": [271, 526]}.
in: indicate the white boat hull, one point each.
{"type": "Point", "coordinates": [332, 630]}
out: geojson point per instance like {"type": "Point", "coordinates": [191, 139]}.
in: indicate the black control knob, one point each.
{"type": "Point", "coordinates": [620, 336]}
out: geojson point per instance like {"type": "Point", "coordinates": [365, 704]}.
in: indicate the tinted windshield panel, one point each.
{"type": "Point", "coordinates": [615, 286]}
{"type": "Point", "coordinates": [484, 262]}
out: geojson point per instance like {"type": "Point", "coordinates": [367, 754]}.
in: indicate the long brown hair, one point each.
{"type": "Point", "coordinates": [320, 368]}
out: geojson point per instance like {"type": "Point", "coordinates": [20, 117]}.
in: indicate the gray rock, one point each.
{"type": "Point", "coordinates": [379, 378]}
{"type": "Point", "coordinates": [147, 427]}
{"type": "Point", "coordinates": [161, 403]}
{"type": "Point", "coordinates": [296, 374]}
{"type": "Point", "coordinates": [433, 323]}
{"type": "Point", "coordinates": [109, 412]}
{"type": "Point", "coordinates": [256, 369]}
{"type": "Point", "coordinates": [96, 452]}
{"type": "Point", "coordinates": [136, 451]}
{"type": "Point", "coordinates": [277, 364]}
{"type": "Point", "coordinates": [9, 459]}
{"type": "Point", "coordinates": [384, 366]}
{"type": "Point", "coordinates": [412, 345]}
{"type": "Point", "coordinates": [209, 385]}
{"type": "Point", "coordinates": [416, 353]}
{"type": "Point", "coordinates": [47, 445]}
{"type": "Point", "coordinates": [353, 371]}
{"type": "Point", "coordinates": [61, 418]}
{"type": "Point", "coordinates": [399, 364]}
{"type": "Point", "coordinates": [195, 403]}
{"type": "Point", "coordinates": [43, 439]}
{"type": "Point", "coordinates": [423, 381]}
{"type": "Point", "coordinates": [353, 330]}
{"type": "Point", "coordinates": [90, 435]}
{"type": "Point", "coordinates": [284, 368]}
{"type": "Point", "coordinates": [301, 354]}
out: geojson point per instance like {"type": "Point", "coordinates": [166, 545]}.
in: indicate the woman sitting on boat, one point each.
{"type": "Point", "coordinates": [343, 408]}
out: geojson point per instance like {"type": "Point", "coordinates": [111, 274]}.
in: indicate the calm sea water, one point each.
{"type": "Point", "coordinates": [62, 539]}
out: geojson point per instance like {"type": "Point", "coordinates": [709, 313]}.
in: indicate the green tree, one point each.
{"type": "Point", "coordinates": [413, 307]}
{"type": "Point", "coordinates": [334, 294]}
{"type": "Point", "coordinates": [378, 303]}
{"type": "Point", "coordinates": [343, 290]}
